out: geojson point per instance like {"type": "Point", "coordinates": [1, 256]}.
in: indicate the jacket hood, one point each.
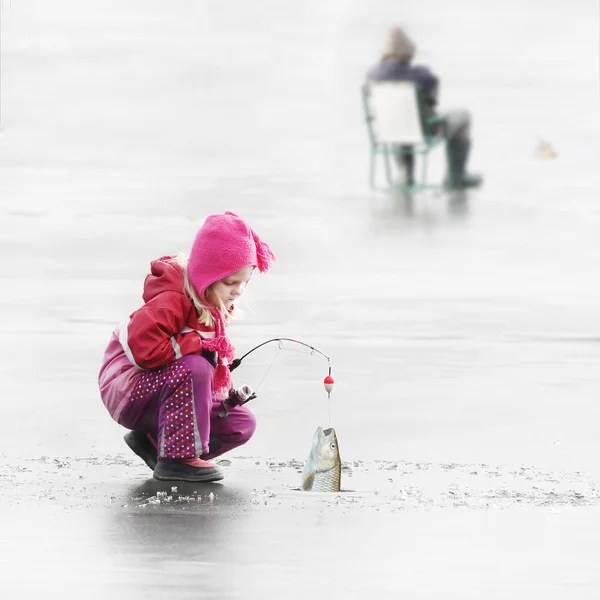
{"type": "Point", "coordinates": [398, 46]}
{"type": "Point", "coordinates": [165, 275]}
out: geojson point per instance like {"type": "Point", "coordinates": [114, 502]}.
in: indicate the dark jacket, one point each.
{"type": "Point", "coordinates": [389, 69]}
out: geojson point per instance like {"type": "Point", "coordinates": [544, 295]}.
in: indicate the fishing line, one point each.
{"type": "Point", "coordinates": [269, 368]}
{"type": "Point", "coordinates": [328, 381]}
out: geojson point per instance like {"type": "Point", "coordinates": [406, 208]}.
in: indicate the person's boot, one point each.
{"type": "Point", "coordinates": [144, 446]}
{"type": "Point", "coordinates": [458, 155]}
{"type": "Point", "coordinates": [467, 180]}
{"type": "Point", "coordinates": [194, 470]}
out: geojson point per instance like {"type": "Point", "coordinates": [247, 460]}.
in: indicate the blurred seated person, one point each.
{"type": "Point", "coordinates": [395, 65]}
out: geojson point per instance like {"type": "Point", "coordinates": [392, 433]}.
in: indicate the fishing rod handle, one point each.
{"type": "Point", "coordinates": [235, 364]}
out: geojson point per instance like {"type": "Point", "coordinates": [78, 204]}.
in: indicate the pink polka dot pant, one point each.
{"type": "Point", "coordinates": [174, 404]}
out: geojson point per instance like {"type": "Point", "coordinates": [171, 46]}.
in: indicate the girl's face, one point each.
{"type": "Point", "coordinates": [230, 288]}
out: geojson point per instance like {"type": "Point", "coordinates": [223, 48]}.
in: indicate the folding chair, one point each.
{"type": "Point", "coordinates": [397, 124]}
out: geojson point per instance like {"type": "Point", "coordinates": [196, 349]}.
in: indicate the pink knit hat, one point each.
{"type": "Point", "coordinates": [223, 245]}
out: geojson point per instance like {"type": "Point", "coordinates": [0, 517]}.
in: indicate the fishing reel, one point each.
{"type": "Point", "coordinates": [237, 397]}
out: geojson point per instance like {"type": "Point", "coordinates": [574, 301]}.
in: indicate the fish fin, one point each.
{"type": "Point", "coordinates": [307, 482]}
{"type": "Point", "coordinates": [319, 434]}
{"type": "Point", "coordinates": [315, 442]}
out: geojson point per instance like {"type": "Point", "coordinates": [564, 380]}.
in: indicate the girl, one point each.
{"type": "Point", "coordinates": [165, 370]}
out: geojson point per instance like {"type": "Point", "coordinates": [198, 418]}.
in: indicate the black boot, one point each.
{"type": "Point", "coordinates": [143, 446]}
{"type": "Point", "coordinates": [458, 154]}
{"type": "Point", "coordinates": [195, 471]}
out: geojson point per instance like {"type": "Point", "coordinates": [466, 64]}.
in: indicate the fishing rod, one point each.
{"type": "Point", "coordinates": [245, 393]}
{"type": "Point", "coordinates": [238, 361]}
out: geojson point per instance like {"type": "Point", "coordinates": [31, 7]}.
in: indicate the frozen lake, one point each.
{"type": "Point", "coordinates": [463, 330]}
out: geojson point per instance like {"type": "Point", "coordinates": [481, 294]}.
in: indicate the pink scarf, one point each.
{"type": "Point", "coordinates": [226, 353]}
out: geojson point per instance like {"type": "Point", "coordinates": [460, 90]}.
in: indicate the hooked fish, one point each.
{"type": "Point", "coordinates": [323, 469]}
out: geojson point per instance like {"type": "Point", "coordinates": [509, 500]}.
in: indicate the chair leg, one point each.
{"type": "Point", "coordinates": [372, 170]}
{"type": "Point", "coordinates": [424, 170]}
{"type": "Point", "coordinates": [388, 171]}
{"type": "Point", "coordinates": [449, 163]}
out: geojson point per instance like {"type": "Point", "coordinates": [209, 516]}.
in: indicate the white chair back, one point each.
{"type": "Point", "coordinates": [396, 114]}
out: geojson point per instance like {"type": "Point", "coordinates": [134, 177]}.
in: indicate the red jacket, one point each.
{"type": "Point", "coordinates": [166, 327]}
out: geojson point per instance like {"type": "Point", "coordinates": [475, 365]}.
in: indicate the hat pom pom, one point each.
{"type": "Point", "coordinates": [264, 254]}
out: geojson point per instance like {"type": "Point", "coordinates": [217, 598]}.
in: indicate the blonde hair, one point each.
{"type": "Point", "coordinates": [204, 315]}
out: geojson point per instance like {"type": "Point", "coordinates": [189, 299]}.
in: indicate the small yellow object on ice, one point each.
{"type": "Point", "coordinates": [545, 150]}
